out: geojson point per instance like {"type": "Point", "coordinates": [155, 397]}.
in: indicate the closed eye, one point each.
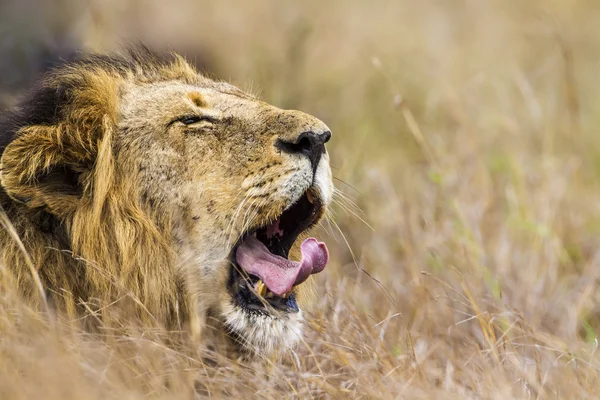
{"type": "Point", "coordinates": [192, 119]}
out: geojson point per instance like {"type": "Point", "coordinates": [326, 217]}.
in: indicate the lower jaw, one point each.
{"type": "Point", "coordinates": [263, 331]}
{"type": "Point", "coordinates": [246, 297]}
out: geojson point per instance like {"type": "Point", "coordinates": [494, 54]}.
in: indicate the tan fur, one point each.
{"type": "Point", "coordinates": [121, 208]}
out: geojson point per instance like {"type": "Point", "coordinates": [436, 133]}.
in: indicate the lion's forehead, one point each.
{"type": "Point", "coordinates": [162, 100]}
{"type": "Point", "coordinates": [174, 96]}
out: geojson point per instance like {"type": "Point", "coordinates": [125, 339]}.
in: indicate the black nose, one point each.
{"type": "Point", "coordinates": [310, 144]}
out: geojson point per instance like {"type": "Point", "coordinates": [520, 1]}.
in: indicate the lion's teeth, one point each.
{"type": "Point", "coordinates": [309, 196]}
{"type": "Point", "coordinates": [261, 288]}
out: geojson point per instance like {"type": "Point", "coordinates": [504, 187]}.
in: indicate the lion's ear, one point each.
{"type": "Point", "coordinates": [48, 166]}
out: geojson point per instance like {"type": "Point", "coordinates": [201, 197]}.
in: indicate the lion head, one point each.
{"type": "Point", "coordinates": [137, 180]}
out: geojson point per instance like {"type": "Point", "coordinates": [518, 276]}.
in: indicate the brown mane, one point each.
{"type": "Point", "coordinates": [82, 224]}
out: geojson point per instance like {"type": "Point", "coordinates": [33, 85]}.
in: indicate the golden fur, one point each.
{"type": "Point", "coordinates": [122, 207]}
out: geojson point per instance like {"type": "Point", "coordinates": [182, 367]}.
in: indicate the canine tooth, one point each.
{"type": "Point", "coordinates": [309, 196]}
{"type": "Point", "coordinates": [261, 288]}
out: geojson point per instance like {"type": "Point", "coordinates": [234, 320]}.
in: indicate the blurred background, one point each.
{"type": "Point", "coordinates": [465, 238]}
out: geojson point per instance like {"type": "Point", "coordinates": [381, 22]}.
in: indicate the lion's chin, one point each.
{"type": "Point", "coordinates": [261, 333]}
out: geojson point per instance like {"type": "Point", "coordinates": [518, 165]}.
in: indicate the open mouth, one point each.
{"type": "Point", "coordinates": [262, 278]}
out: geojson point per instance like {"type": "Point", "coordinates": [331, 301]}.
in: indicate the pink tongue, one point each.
{"type": "Point", "coordinates": [279, 274]}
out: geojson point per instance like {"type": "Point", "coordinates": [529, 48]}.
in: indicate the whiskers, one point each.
{"type": "Point", "coordinates": [350, 208]}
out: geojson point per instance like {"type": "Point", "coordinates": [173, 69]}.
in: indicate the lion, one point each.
{"type": "Point", "coordinates": [135, 182]}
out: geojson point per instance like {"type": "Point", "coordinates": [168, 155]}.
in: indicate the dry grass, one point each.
{"type": "Point", "coordinates": [465, 135]}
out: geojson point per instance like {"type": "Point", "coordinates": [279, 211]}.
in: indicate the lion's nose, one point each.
{"type": "Point", "coordinates": [310, 144]}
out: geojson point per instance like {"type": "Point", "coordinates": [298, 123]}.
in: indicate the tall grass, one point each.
{"type": "Point", "coordinates": [465, 240]}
